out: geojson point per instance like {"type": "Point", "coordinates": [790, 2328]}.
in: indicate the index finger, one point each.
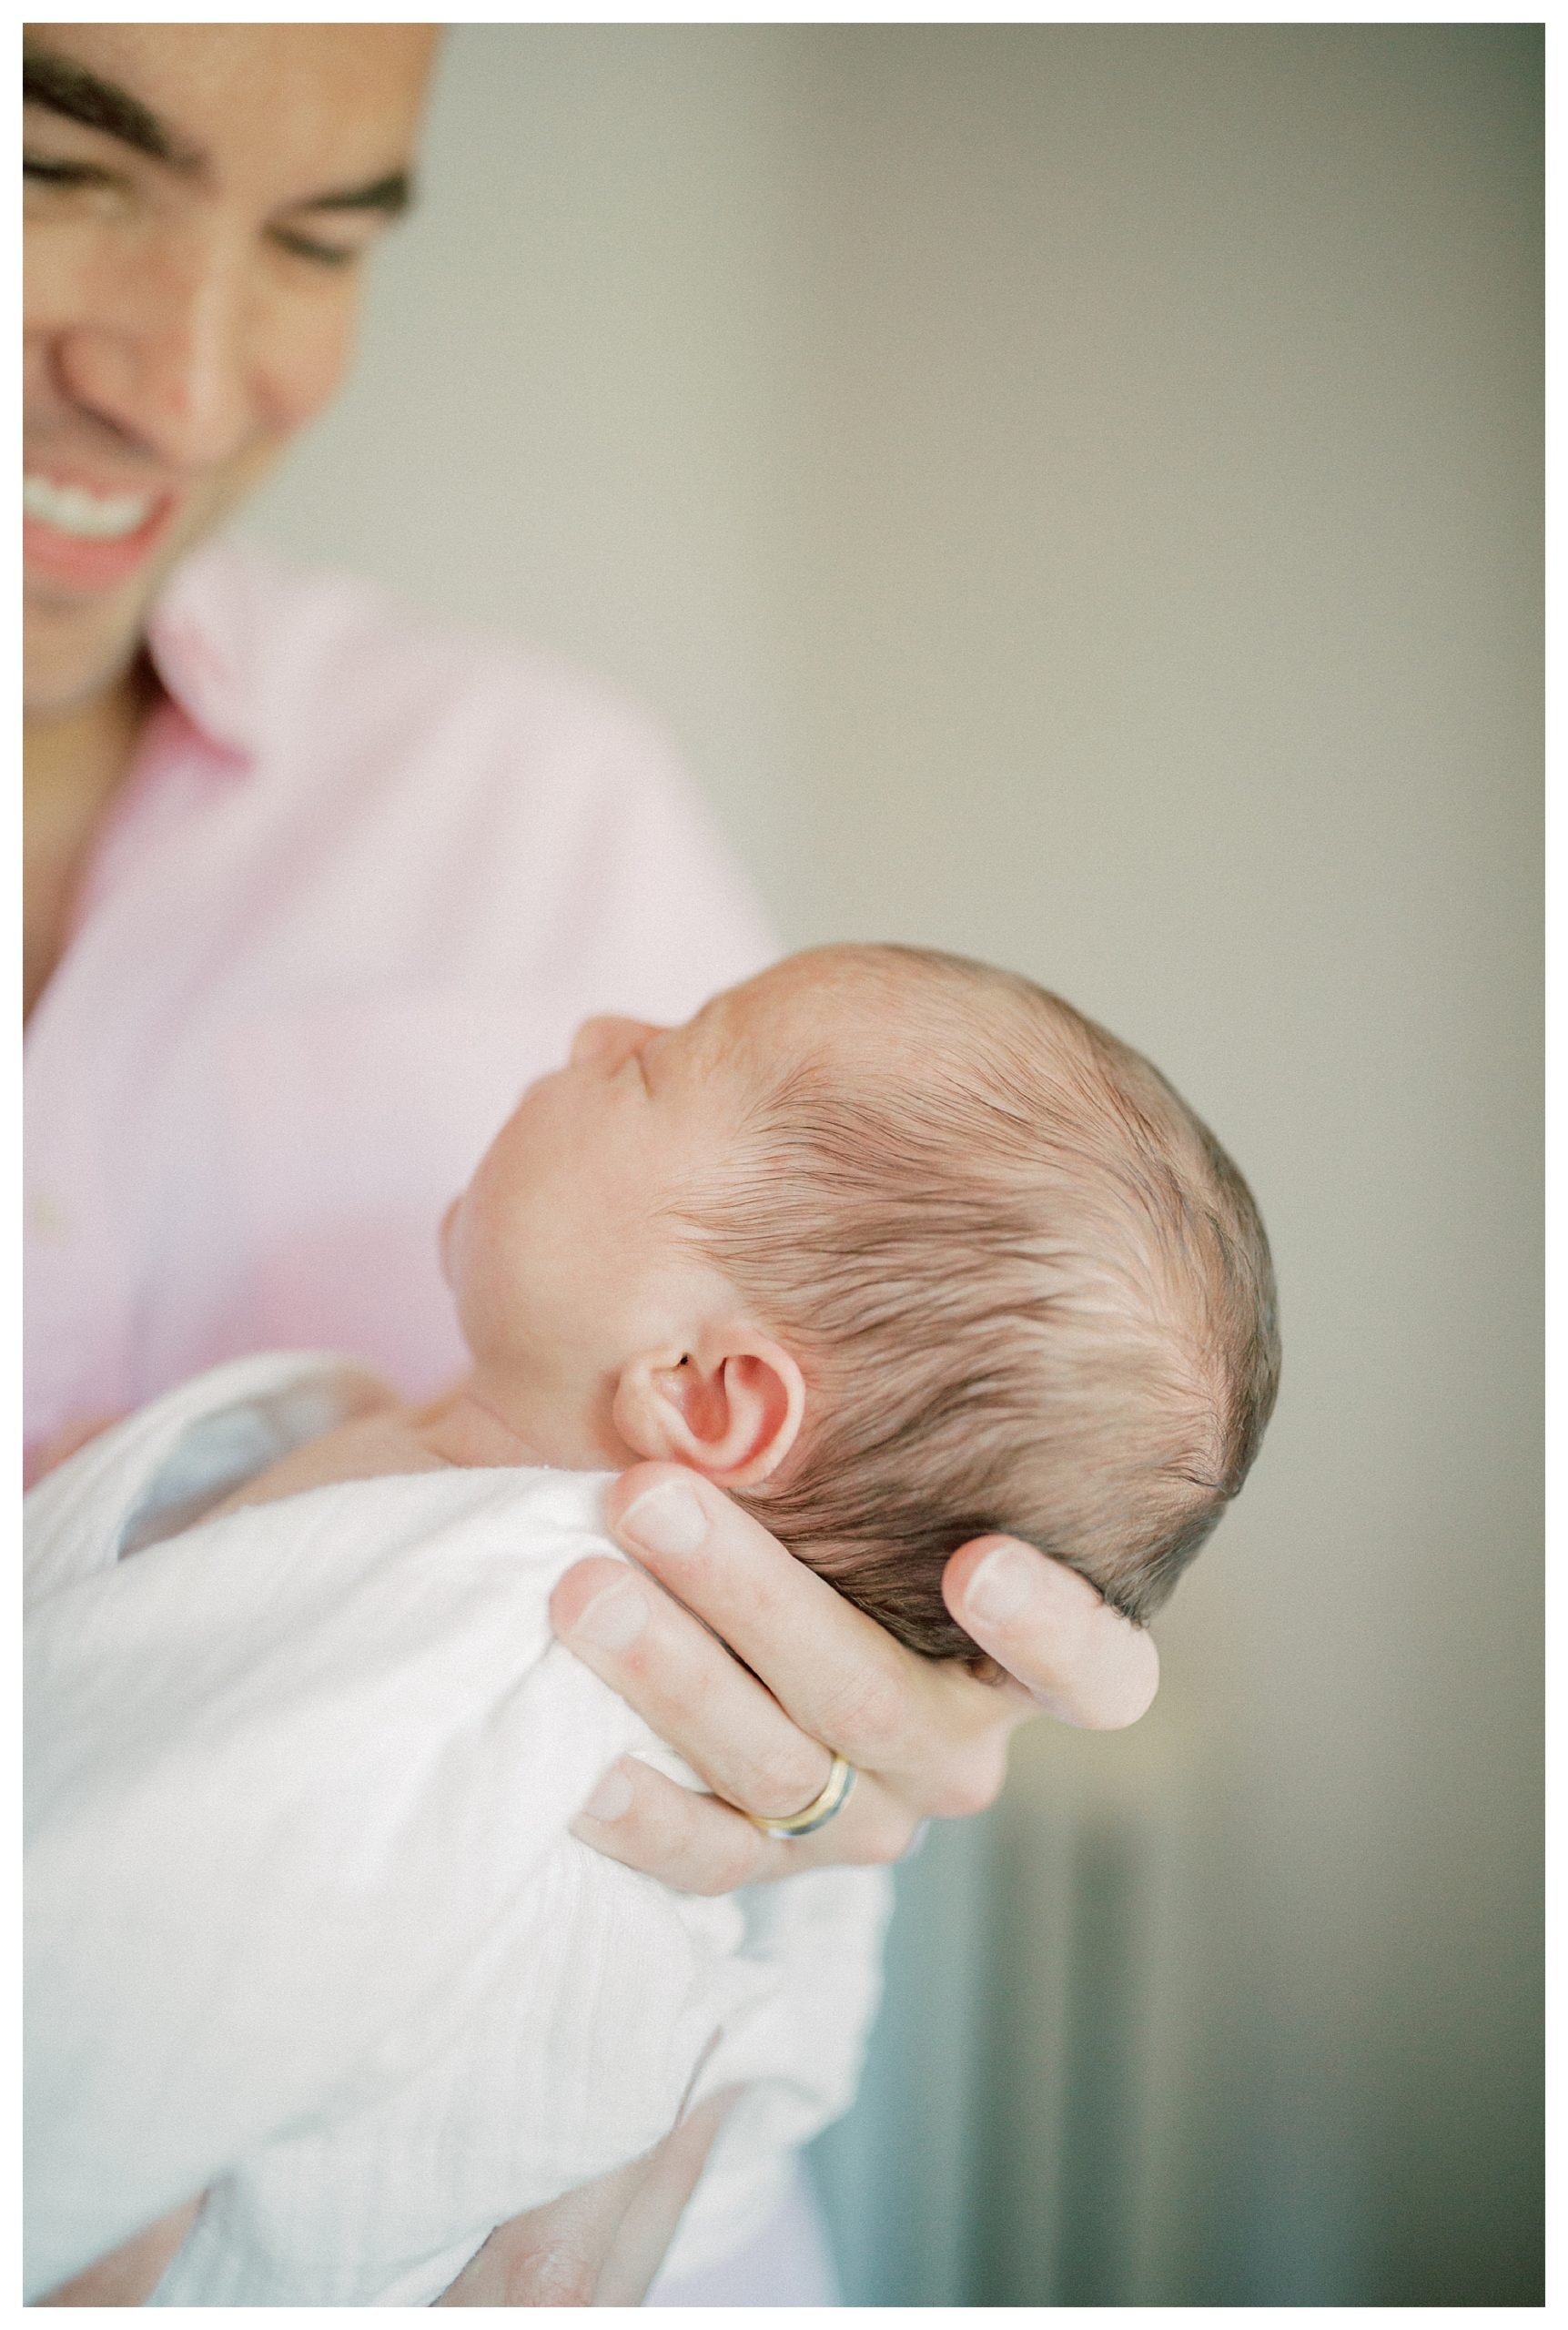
{"type": "Point", "coordinates": [837, 1672]}
{"type": "Point", "coordinates": [1077, 1659]}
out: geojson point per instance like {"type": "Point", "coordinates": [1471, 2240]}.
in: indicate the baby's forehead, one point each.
{"type": "Point", "coordinates": [827, 1000]}
{"type": "Point", "coordinates": [950, 1029]}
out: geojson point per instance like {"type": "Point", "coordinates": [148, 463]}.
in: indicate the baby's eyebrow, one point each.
{"type": "Point", "coordinates": [698, 1027]}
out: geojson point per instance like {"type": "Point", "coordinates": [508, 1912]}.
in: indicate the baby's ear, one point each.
{"type": "Point", "coordinates": [731, 1405]}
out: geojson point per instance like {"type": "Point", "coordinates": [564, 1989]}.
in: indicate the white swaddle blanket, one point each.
{"type": "Point", "coordinates": [305, 1928]}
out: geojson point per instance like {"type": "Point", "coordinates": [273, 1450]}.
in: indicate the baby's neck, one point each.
{"type": "Point", "coordinates": [460, 1430]}
{"type": "Point", "coordinates": [464, 1427]}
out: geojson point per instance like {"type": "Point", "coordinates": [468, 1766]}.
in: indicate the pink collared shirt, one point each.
{"type": "Point", "coordinates": [365, 879]}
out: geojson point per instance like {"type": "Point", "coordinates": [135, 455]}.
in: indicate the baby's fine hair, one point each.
{"type": "Point", "coordinates": [1029, 1291]}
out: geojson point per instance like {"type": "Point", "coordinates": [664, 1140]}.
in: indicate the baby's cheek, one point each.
{"type": "Point", "coordinates": [444, 1239]}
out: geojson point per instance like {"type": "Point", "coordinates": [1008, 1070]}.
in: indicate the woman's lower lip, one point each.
{"type": "Point", "coordinates": [57, 556]}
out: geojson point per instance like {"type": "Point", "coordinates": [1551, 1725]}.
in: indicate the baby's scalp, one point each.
{"type": "Point", "coordinates": [1028, 1289]}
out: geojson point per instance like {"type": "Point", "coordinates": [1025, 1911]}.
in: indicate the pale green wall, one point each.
{"type": "Point", "coordinates": [1075, 492]}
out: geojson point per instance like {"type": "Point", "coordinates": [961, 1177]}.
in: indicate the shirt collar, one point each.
{"type": "Point", "coordinates": [195, 634]}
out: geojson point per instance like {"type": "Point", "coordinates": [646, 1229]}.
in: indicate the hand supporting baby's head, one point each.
{"type": "Point", "coordinates": [901, 1251]}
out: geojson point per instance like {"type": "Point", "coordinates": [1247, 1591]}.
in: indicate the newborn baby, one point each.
{"type": "Point", "coordinates": [897, 1249]}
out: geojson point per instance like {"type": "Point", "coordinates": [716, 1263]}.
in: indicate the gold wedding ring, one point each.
{"type": "Point", "coordinates": [818, 1812]}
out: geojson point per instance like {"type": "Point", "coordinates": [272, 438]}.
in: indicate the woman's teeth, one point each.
{"type": "Point", "coordinates": [71, 510]}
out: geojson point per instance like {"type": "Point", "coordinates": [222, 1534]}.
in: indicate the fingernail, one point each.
{"type": "Point", "coordinates": [614, 1618]}
{"type": "Point", "coordinates": [611, 1797]}
{"type": "Point", "coordinates": [667, 1520]}
{"type": "Point", "coordinates": [1000, 1587]}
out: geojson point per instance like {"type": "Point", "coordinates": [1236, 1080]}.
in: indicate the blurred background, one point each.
{"type": "Point", "coordinates": [1073, 491]}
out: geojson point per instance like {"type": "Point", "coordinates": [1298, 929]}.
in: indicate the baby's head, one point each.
{"type": "Point", "coordinates": [900, 1251]}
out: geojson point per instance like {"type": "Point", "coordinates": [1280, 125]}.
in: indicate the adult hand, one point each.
{"type": "Point", "coordinates": [41, 1456]}
{"type": "Point", "coordinates": [818, 1676]}
{"type": "Point", "coordinates": [603, 2243]}
{"type": "Point", "coordinates": [129, 2274]}
{"type": "Point", "coordinates": [599, 2245]}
